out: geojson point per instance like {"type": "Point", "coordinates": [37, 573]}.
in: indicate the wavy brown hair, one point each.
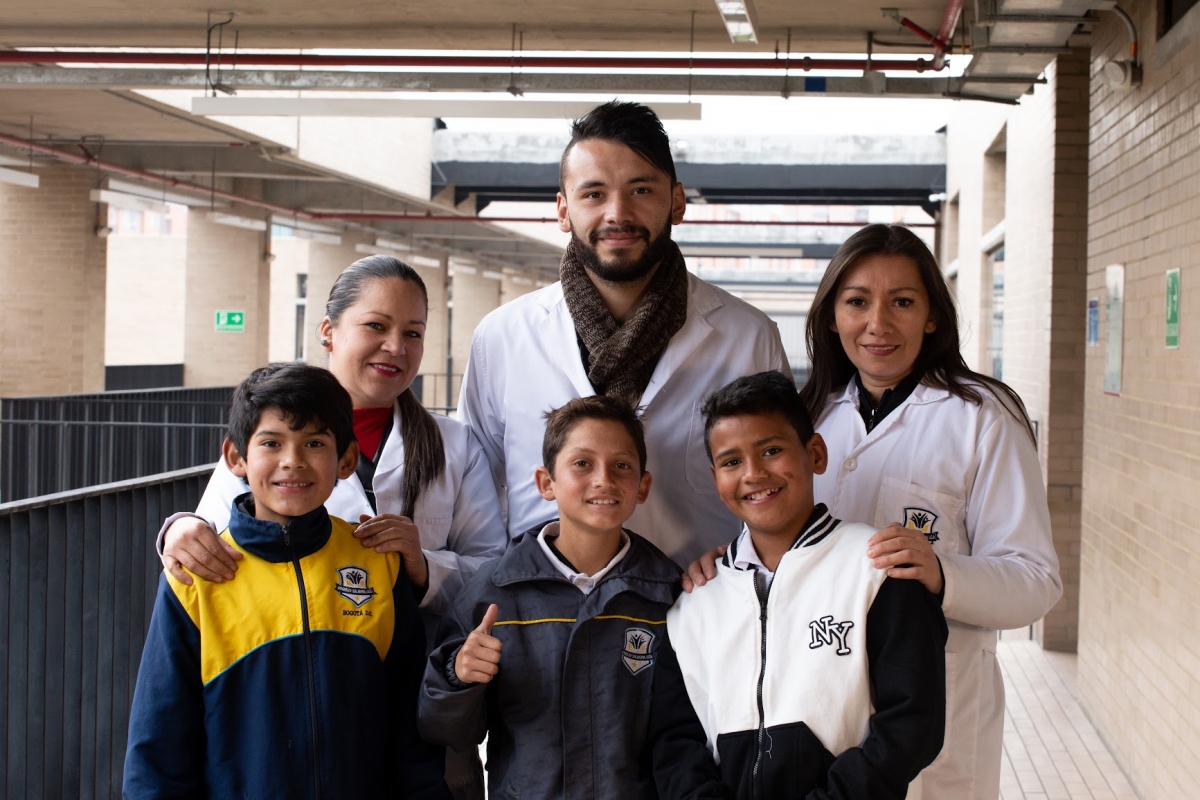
{"type": "Point", "coordinates": [424, 453]}
{"type": "Point", "coordinates": [940, 363]}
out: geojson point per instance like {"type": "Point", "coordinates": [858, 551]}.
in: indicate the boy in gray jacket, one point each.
{"type": "Point", "coordinates": [551, 651]}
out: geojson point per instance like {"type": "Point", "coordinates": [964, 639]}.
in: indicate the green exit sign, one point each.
{"type": "Point", "coordinates": [231, 321]}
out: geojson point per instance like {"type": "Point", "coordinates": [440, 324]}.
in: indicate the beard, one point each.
{"type": "Point", "coordinates": [623, 270]}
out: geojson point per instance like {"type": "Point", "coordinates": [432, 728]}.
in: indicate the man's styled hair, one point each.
{"type": "Point", "coordinates": [765, 393]}
{"type": "Point", "coordinates": [632, 124]}
{"type": "Point", "coordinates": [303, 394]}
{"type": "Point", "coordinates": [564, 419]}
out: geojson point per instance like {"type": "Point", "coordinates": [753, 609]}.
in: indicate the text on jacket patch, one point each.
{"type": "Point", "coordinates": [921, 519]}
{"type": "Point", "coordinates": [352, 585]}
{"type": "Point", "coordinates": [636, 653]}
{"type": "Point", "coordinates": [826, 631]}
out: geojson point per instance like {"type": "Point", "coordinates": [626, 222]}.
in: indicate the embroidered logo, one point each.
{"type": "Point", "coordinates": [826, 631]}
{"type": "Point", "coordinates": [352, 585]}
{"type": "Point", "coordinates": [921, 519]}
{"type": "Point", "coordinates": [637, 655]}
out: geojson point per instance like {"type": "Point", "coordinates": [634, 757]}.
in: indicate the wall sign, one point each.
{"type": "Point", "coordinates": [1114, 278]}
{"type": "Point", "coordinates": [1172, 309]}
{"type": "Point", "coordinates": [230, 322]}
{"type": "Point", "coordinates": [1093, 322]}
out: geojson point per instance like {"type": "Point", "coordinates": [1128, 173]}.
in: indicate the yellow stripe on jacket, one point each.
{"type": "Point", "coordinates": [348, 588]}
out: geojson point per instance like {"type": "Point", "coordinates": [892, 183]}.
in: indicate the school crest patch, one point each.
{"type": "Point", "coordinates": [353, 585]}
{"type": "Point", "coordinates": [637, 655]}
{"type": "Point", "coordinates": [923, 520]}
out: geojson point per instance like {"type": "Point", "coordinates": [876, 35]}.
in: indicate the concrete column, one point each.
{"type": "Point", "coordinates": [325, 263]}
{"type": "Point", "coordinates": [52, 282]}
{"type": "Point", "coordinates": [226, 271]}
{"type": "Point", "coordinates": [439, 392]}
{"type": "Point", "coordinates": [473, 297]}
{"type": "Point", "coordinates": [515, 285]}
{"type": "Point", "coordinates": [1045, 303]}
{"type": "Point", "coordinates": [288, 264]}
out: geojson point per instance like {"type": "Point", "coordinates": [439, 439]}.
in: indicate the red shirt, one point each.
{"type": "Point", "coordinates": [369, 424]}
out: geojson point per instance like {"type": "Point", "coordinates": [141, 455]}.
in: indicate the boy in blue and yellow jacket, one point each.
{"type": "Point", "coordinates": [299, 679]}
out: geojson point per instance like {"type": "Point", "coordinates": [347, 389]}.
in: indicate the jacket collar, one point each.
{"type": "Point", "coordinates": [819, 525]}
{"type": "Point", "coordinates": [644, 570]}
{"type": "Point", "coordinates": [307, 534]}
{"type": "Point", "coordinates": [924, 393]}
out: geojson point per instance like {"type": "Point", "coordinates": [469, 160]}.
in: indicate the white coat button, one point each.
{"type": "Point", "coordinates": [851, 464]}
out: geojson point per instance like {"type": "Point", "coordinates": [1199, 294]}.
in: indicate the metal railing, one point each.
{"type": "Point", "coordinates": [78, 577]}
{"type": "Point", "coordinates": [56, 444]}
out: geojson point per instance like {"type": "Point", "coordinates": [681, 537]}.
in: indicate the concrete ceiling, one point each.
{"type": "Point", "coordinates": [634, 25]}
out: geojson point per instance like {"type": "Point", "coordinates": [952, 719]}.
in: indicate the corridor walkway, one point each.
{"type": "Point", "coordinates": [1051, 750]}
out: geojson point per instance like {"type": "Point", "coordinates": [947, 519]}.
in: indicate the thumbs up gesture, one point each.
{"type": "Point", "coordinates": [478, 659]}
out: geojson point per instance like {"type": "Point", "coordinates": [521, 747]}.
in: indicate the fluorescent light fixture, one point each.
{"type": "Point", "coordinates": [154, 193]}
{"type": "Point", "coordinates": [414, 260]}
{"type": "Point", "coordinates": [388, 107]}
{"type": "Point", "coordinates": [310, 231]}
{"type": "Point", "coordinates": [317, 236]}
{"type": "Point", "coordinates": [520, 281]}
{"type": "Point", "coordinates": [735, 251]}
{"type": "Point", "coordinates": [492, 275]}
{"type": "Point", "coordinates": [130, 201]}
{"type": "Point", "coordinates": [740, 20]}
{"type": "Point", "coordinates": [465, 270]}
{"type": "Point", "coordinates": [18, 178]}
{"type": "Point", "coordinates": [406, 254]}
{"type": "Point", "coordinates": [234, 221]}
{"type": "Point", "coordinates": [392, 244]}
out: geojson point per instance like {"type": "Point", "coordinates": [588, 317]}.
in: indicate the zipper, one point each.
{"type": "Point", "coordinates": [309, 670]}
{"type": "Point", "coordinates": [756, 774]}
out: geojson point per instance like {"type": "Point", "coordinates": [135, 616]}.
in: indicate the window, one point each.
{"type": "Point", "coordinates": [1170, 12]}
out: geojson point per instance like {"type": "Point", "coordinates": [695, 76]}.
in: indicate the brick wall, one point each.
{"type": "Point", "coordinates": [52, 278]}
{"type": "Point", "coordinates": [145, 296]}
{"type": "Point", "coordinates": [474, 297]}
{"type": "Point", "coordinates": [1044, 302]}
{"type": "Point", "coordinates": [225, 271]}
{"type": "Point", "coordinates": [973, 128]}
{"type": "Point", "coordinates": [289, 262]}
{"type": "Point", "coordinates": [1139, 637]}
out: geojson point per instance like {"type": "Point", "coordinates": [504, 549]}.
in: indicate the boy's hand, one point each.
{"type": "Point", "coordinates": [478, 659]}
{"type": "Point", "coordinates": [191, 544]}
{"type": "Point", "coordinates": [906, 553]}
{"type": "Point", "coordinates": [390, 533]}
{"type": "Point", "coordinates": [701, 572]}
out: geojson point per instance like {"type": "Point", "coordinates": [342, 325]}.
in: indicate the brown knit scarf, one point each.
{"type": "Point", "coordinates": [621, 358]}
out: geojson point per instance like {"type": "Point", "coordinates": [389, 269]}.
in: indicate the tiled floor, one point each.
{"type": "Point", "coordinates": [1051, 750]}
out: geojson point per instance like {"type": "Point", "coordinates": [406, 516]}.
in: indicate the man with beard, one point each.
{"type": "Point", "coordinates": [626, 319]}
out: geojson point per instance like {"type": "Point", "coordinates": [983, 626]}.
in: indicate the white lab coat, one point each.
{"type": "Point", "coordinates": [458, 516]}
{"type": "Point", "coordinates": [525, 361]}
{"type": "Point", "coordinates": [970, 474]}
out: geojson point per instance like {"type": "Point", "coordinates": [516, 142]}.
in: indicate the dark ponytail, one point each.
{"type": "Point", "coordinates": [939, 363]}
{"type": "Point", "coordinates": [424, 453]}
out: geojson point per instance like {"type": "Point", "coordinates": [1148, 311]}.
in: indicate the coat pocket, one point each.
{"type": "Point", "coordinates": [936, 514]}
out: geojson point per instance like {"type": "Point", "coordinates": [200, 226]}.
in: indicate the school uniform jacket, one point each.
{"type": "Point", "coordinates": [297, 680]}
{"type": "Point", "coordinates": [525, 361]}
{"type": "Point", "coordinates": [968, 476]}
{"type": "Point", "coordinates": [568, 715]}
{"type": "Point", "coordinates": [458, 516]}
{"type": "Point", "coordinates": [829, 684]}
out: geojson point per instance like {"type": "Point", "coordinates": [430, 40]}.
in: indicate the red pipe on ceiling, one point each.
{"type": "Point", "coordinates": [475, 62]}
{"type": "Point", "coordinates": [945, 34]}
{"type": "Point", "coordinates": [88, 160]}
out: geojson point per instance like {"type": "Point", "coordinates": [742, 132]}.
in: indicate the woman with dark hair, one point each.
{"type": "Point", "coordinates": [944, 460]}
{"type": "Point", "coordinates": [423, 487]}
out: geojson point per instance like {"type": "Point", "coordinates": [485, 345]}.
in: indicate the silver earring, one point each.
{"type": "Point", "coordinates": [324, 343]}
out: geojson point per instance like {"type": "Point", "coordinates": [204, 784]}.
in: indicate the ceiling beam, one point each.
{"type": "Point", "coordinates": [795, 82]}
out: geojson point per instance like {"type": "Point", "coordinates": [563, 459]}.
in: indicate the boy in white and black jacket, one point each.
{"type": "Point", "coordinates": [812, 673]}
